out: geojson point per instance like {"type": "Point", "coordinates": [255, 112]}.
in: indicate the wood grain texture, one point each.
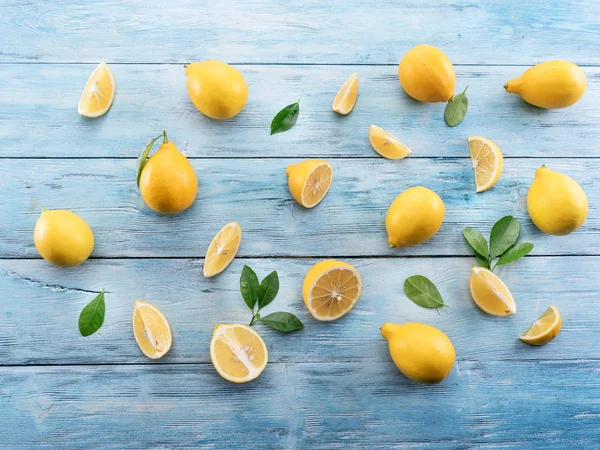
{"type": "Point", "coordinates": [337, 31]}
{"type": "Point", "coordinates": [43, 303]}
{"type": "Point", "coordinates": [39, 116]}
{"type": "Point", "coordinates": [189, 406]}
{"type": "Point", "coordinates": [350, 221]}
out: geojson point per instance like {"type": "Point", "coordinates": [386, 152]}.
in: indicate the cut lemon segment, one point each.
{"type": "Point", "coordinates": [544, 329]}
{"type": "Point", "coordinates": [98, 93]}
{"type": "Point", "coordinates": [238, 352]}
{"type": "Point", "coordinates": [487, 162]}
{"type": "Point", "coordinates": [331, 289]}
{"type": "Point", "coordinates": [151, 330]}
{"type": "Point", "coordinates": [222, 249]}
{"type": "Point", "coordinates": [309, 181]}
{"type": "Point", "coordinates": [386, 144]}
{"type": "Point", "coordinates": [346, 97]}
{"type": "Point", "coordinates": [490, 293]}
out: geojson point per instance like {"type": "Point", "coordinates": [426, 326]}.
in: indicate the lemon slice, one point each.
{"type": "Point", "coordinates": [317, 184]}
{"type": "Point", "coordinates": [331, 289]}
{"type": "Point", "coordinates": [151, 330]}
{"type": "Point", "coordinates": [98, 93]}
{"type": "Point", "coordinates": [487, 162]}
{"type": "Point", "coordinates": [238, 353]}
{"type": "Point", "coordinates": [222, 249]}
{"type": "Point", "coordinates": [490, 293]}
{"type": "Point", "coordinates": [346, 97]}
{"type": "Point", "coordinates": [386, 144]}
{"type": "Point", "coordinates": [544, 329]}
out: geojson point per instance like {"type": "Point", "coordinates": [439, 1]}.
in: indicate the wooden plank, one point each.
{"type": "Point", "coordinates": [349, 222]}
{"type": "Point", "coordinates": [337, 31]}
{"type": "Point", "coordinates": [39, 116]}
{"type": "Point", "coordinates": [494, 405]}
{"type": "Point", "coordinates": [40, 307]}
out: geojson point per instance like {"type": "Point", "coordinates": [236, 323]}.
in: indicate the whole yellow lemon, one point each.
{"type": "Point", "coordinates": [414, 217]}
{"type": "Point", "coordinates": [552, 84]}
{"type": "Point", "coordinates": [217, 89]}
{"type": "Point", "coordinates": [421, 352]}
{"type": "Point", "coordinates": [63, 238]}
{"type": "Point", "coordinates": [168, 182]}
{"type": "Point", "coordinates": [556, 202]}
{"type": "Point", "coordinates": [426, 74]}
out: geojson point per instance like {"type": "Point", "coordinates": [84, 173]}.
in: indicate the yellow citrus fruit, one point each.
{"type": "Point", "coordinates": [490, 293]}
{"type": "Point", "coordinates": [151, 330]}
{"type": "Point", "coordinates": [238, 353]}
{"type": "Point", "coordinates": [421, 352]}
{"type": "Point", "coordinates": [346, 97]}
{"type": "Point", "coordinates": [414, 217]}
{"type": "Point", "coordinates": [544, 329]}
{"type": "Point", "coordinates": [552, 84]}
{"type": "Point", "coordinates": [487, 162]}
{"type": "Point", "coordinates": [386, 144]}
{"type": "Point", "coordinates": [217, 89]}
{"type": "Point", "coordinates": [309, 181]}
{"type": "Point", "coordinates": [426, 74]}
{"type": "Point", "coordinates": [331, 289]}
{"type": "Point", "coordinates": [556, 203]}
{"type": "Point", "coordinates": [168, 182]}
{"type": "Point", "coordinates": [222, 249]}
{"type": "Point", "coordinates": [63, 238]}
{"type": "Point", "coordinates": [98, 93]}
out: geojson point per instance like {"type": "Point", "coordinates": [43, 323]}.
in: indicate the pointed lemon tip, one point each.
{"type": "Point", "coordinates": [289, 169]}
{"type": "Point", "coordinates": [386, 330]}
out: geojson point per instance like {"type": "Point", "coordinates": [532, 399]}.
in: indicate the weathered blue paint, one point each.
{"type": "Point", "coordinates": [329, 385]}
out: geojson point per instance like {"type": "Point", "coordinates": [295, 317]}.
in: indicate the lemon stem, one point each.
{"type": "Point", "coordinates": [165, 138]}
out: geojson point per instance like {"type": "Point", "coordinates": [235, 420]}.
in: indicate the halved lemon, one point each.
{"type": "Point", "coordinates": [490, 293]}
{"type": "Point", "coordinates": [331, 289]}
{"type": "Point", "coordinates": [222, 249]}
{"type": "Point", "coordinates": [544, 329]}
{"type": "Point", "coordinates": [386, 144]}
{"type": "Point", "coordinates": [238, 352]}
{"type": "Point", "coordinates": [487, 162]}
{"type": "Point", "coordinates": [151, 330]}
{"type": "Point", "coordinates": [309, 181]}
{"type": "Point", "coordinates": [98, 93]}
{"type": "Point", "coordinates": [346, 97]}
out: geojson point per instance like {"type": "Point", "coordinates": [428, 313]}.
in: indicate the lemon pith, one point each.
{"type": "Point", "coordinates": [238, 352]}
{"type": "Point", "coordinates": [331, 288]}
{"type": "Point", "coordinates": [487, 162]}
{"type": "Point", "coordinates": [309, 181]}
{"type": "Point", "coordinates": [545, 328]}
{"type": "Point", "coordinates": [490, 293]}
{"type": "Point", "coordinates": [151, 330]}
{"type": "Point", "coordinates": [222, 249]}
{"type": "Point", "coordinates": [345, 99]}
{"type": "Point", "coordinates": [99, 92]}
{"type": "Point", "coordinates": [386, 144]}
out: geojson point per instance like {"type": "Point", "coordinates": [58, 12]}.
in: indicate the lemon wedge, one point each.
{"type": "Point", "coordinates": [98, 93]}
{"type": "Point", "coordinates": [151, 330]}
{"type": "Point", "coordinates": [386, 144]}
{"type": "Point", "coordinates": [490, 293]}
{"type": "Point", "coordinates": [331, 289]}
{"type": "Point", "coordinates": [222, 249]}
{"type": "Point", "coordinates": [309, 181]}
{"type": "Point", "coordinates": [544, 329]}
{"type": "Point", "coordinates": [487, 162]}
{"type": "Point", "coordinates": [238, 353]}
{"type": "Point", "coordinates": [346, 97]}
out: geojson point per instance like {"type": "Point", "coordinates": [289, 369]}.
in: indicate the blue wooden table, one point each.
{"type": "Point", "coordinates": [330, 385]}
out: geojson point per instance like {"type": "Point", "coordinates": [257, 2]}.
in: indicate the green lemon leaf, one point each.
{"type": "Point", "coordinates": [92, 316]}
{"type": "Point", "coordinates": [422, 291]}
{"type": "Point", "coordinates": [282, 321]}
{"type": "Point", "coordinates": [476, 241]}
{"type": "Point", "coordinates": [483, 262]}
{"type": "Point", "coordinates": [456, 109]}
{"type": "Point", "coordinates": [249, 287]}
{"type": "Point", "coordinates": [504, 234]}
{"type": "Point", "coordinates": [286, 118]}
{"type": "Point", "coordinates": [515, 253]}
{"type": "Point", "coordinates": [143, 157]}
{"type": "Point", "coordinates": [268, 289]}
